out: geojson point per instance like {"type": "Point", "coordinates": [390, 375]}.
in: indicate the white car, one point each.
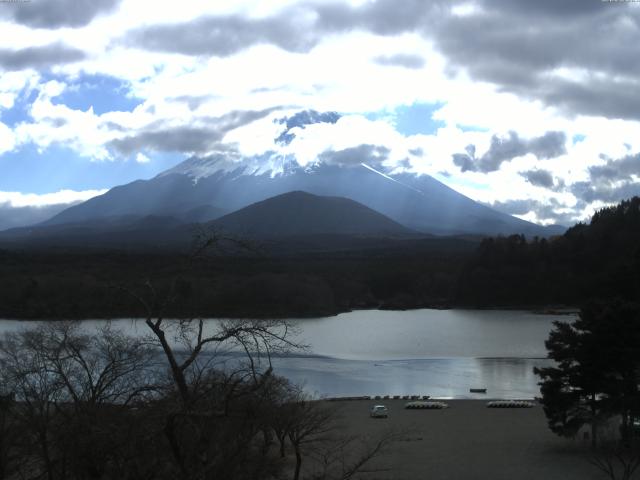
{"type": "Point", "coordinates": [379, 411]}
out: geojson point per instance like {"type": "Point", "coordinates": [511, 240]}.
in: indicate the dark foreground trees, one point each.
{"type": "Point", "coordinates": [74, 396]}
{"type": "Point", "coordinates": [184, 399]}
{"type": "Point", "coordinates": [597, 372]}
{"type": "Point", "coordinates": [85, 404]}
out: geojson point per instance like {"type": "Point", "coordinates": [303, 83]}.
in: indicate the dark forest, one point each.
{"type": "Point", "coordinates": [598, 259]}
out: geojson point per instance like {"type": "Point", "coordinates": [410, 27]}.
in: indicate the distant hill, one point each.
{"type": "Point", "coordinates": [303, 214]}
{"type": "Point", "coordinates": [294, 222]}
{"type": "Point", "coordinates": [125, 231]}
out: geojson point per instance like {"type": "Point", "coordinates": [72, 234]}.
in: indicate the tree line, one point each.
{"type": "Point", "coordinates": [596, 260]}
{"type": "Point", "coordinates": [81, 284]}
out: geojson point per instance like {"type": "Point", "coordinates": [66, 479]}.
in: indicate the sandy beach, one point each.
{"type": "Point", "coordinates": [468, 441]}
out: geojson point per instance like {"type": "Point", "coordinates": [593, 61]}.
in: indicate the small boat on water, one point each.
{"type": "Point", "coordinates": [478, 390]}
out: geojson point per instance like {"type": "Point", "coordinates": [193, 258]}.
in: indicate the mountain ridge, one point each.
{"type": "Point", "coordinates": [421, 203]}
{"type": "Point", "coordinates": [293, 222]}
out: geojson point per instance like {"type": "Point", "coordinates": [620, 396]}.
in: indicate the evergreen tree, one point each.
{"type": "Point", "coordinates": [597, 369]}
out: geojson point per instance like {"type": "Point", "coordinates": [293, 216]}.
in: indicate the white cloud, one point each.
{"type": "Point", "coordinates": [56, 123]}
{"type": "Point", "coordinates": [7, 139]}
{"type": "Point", "coordinates": [18, 199]}
{"type": "Point", "coordinates": [12, 83]}
{"type": "Point", "coordinates": [142, 158]}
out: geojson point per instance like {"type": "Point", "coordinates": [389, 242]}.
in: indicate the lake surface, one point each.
{"type": "Point", "coordinates": [442, 353]}
{"type": "Point", "coordinates": [416, 334]}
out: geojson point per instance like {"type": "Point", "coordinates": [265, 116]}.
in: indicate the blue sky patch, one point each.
{"type": "Point", "coordinates": [417, 119]}
{"type": "Point", "coordinates": [20, 110]}
{"type": "Point", "coordinates": [578, 138]}
{"type": "Point", "coordinates": [411, 119]}
{"type": "Point", "coordinates": [102, 92]}
{"type": "Point", "coordinates": [472, 128]}
{"type": "Point", "coordinates": [57, 168]}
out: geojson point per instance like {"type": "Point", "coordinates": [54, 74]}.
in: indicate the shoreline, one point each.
{"type": "Point", "coordinates": [534, 309]}
{"type": "Point", "coordinates": [422, 398]}
{"type": "Point", "coordinates": [467, 441]}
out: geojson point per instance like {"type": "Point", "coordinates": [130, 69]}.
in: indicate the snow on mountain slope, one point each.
{"type": "Point", "coordinates": [420, 203]}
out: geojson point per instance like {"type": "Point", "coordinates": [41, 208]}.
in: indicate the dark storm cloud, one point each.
{"type": "Point", "coordinates": [547, 8]}
{"type": "Point", "coordinates": [300, 120]}
{"type": "Point", "coordinates": [295, 29]}
{"type": "Point", "coordinates": [369, 154]}
{"type": "Point", "coordinates": [502, 45]}
{"type": "Point", "coordinates": [538, 178]}
{"type": "Point", "coordinates": [609, 98]}
{"type": "Point", "coordinates": [466, 161]}
{"type": "Point", "coordinates": [383, 17]}
{"type": "Point", "coordinates": [514, 207]}
{"type": "Point", "coordinates": [517, 45]}
{"type": "Point", "coordinates": [401, 60]}
{"type": "Point", "coordinates": [612, 182]}
{"type": "Point", "coordinates": [223, 35]}
{"type": "Point", "coordinates": [56, 13]}
{"type": "Point", "coordinates": [616, 170]}
{"type": "Point", "coordinates": [198, 138]}
{"type": "Point", "coordinates": [606, 193]}
{"type": "Point", "coordinates": [38, 57]}
{"type": "Point", "coordinates": [175, 139]}
{"type": "Point", "coordinates": [549, 145]}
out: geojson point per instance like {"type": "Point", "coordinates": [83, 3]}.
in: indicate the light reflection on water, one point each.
{"type": "Point", "coordinates": [441, 353]}
{"type": "Point", "coordinates": [445, 377]}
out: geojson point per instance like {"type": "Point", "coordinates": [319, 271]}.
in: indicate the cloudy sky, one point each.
{"type": "Point", "coordinates": [532, 107]}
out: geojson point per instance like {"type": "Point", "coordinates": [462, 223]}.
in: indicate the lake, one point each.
{"type": "Point", "coordinates": [442, 353]}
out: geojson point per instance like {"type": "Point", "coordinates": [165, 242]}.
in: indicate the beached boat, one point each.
{"type": "Point", "coordinates": [510, 404]}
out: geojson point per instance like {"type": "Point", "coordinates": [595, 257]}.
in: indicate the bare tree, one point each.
{"type": "Point", "coordinates": [8, 436]}
{"type": "Point", "coordinates": [220, 371]}
{"type": "Point", "coordinates": [72, 388]}
{"type": "Point", "coordinates": [25, 372]}
{"type": "Point", "coordinates": [101, 367]}
{"type": "Point", "coordinates": [343, 457]}
{"type": "Point", "coordinates": [310, 423]}
{"type": "Point", "coordinates": [192, 337]}
{"type": "Point", "coordinates": [617, 459]}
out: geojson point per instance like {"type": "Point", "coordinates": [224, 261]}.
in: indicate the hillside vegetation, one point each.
{"type": "Point", "coordinates": [598, 259]}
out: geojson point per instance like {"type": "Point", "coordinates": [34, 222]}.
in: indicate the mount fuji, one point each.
{"type": "Point", "coordinates": [203, 189]}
